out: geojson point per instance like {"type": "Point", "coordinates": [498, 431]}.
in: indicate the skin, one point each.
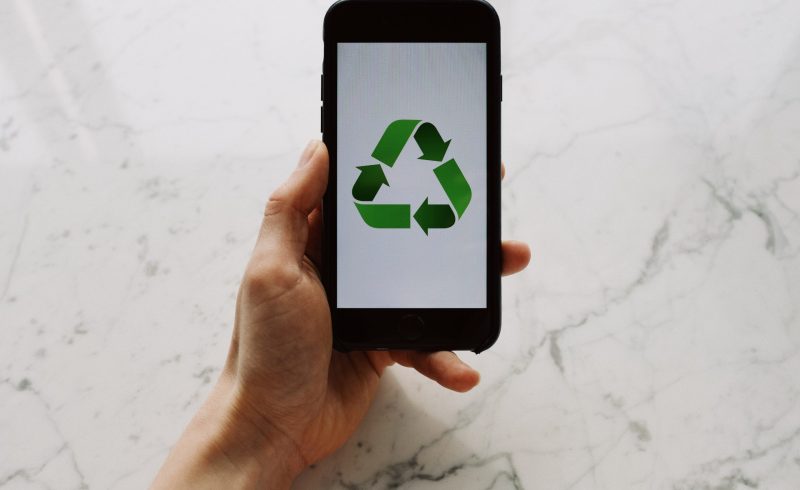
{"type": "Point", "coordinates": [285, 398]}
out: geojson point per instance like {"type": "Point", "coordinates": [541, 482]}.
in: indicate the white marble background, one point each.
{"type": "Point", "coordinates": [653, 152]}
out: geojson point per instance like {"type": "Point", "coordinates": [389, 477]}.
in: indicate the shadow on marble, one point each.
{"type": "Point", "coordinates": [401, 443]}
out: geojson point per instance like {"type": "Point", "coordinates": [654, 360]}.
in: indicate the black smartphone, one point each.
{"type": "Point", "coordinates": [411, 95]}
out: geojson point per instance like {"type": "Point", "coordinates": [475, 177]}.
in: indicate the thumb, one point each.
{"type": "Point", "coordinates": [284, 230]}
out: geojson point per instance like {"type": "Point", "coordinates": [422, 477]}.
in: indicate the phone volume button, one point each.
{"type": "Point", "coordinates": [322, 119]}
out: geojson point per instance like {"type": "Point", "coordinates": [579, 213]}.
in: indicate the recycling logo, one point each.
{"type": "Point", "coordinates": [449, 175]}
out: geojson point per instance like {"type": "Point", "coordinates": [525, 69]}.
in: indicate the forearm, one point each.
{"type": "Point", "coordinates": [222, 448]}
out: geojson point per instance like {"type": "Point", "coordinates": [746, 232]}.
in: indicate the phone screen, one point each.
{"type": "Point", "coordinates": [411, 175]}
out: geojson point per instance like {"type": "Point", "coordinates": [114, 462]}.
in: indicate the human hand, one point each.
{"type": "Point", "coordinates": [285, 398]}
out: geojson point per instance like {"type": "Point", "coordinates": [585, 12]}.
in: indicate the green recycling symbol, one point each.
{"type": "Point", "coordinates": [433, 148]}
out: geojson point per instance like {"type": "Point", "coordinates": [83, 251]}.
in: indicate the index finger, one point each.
{"type": "Point", "coordinates": [444, 367]}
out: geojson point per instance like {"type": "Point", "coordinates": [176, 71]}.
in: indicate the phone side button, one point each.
{"type": "Point", "coordinates": [322, 120]}
{"type": "Point", "coordinates": [410, 327]}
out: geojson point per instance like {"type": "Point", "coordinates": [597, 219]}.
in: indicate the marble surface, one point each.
{"type": "Point", "coordinates": [653, 153]}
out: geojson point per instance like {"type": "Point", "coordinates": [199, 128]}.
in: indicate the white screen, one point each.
{"type": "Point", "coordinates": [439, 85]}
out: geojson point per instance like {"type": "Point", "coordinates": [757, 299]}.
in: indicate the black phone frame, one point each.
{"type": "Point", "coordinates": [414, 21]}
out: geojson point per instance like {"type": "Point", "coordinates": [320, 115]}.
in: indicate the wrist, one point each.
{"type": "Point", "coordinates": [269, 457]}
{"type": "Point", "coordinates": [224, 446]}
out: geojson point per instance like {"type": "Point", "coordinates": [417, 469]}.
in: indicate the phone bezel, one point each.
{"type": "Point", "coordinates": [414, 21]}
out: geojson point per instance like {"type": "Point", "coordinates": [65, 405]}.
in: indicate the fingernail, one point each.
{"type": "Point", "coordinates": [307, 153]}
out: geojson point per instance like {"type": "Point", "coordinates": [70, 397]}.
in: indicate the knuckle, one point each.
{"type": "Point", "coordinates": [275, 204]}
{"type": "Point", "coordinates": [269, 279]}
{"type": "Point", "coordinates": [281, 202]}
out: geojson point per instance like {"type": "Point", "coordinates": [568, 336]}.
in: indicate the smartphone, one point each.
{"type": "Point", "coordinates": [411, 94]}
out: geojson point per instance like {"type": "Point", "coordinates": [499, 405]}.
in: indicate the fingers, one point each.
{"type": "Point", "coordinates": [444, 367]}
{"type": "Point", "coordinates": [516, 256]}
{"type": "Point", "coordinates": [284, 230]}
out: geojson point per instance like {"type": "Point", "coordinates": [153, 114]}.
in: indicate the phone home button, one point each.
{"type": "Point", "coordinates": [410, 327]}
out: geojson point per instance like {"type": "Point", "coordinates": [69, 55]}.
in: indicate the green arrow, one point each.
{"type": "Point", "coordinates": [369, 182]}
{"type": "Point", "coordinates": [385, 215]}
{"type": "Point", "coordinates": [455, 185]}
{"type": "Point", "coordinates": [431, 143]}
{"type": "Point", "coordinates": [434, 216]}
{"type": "Point", "coordinates": [393, 140]}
